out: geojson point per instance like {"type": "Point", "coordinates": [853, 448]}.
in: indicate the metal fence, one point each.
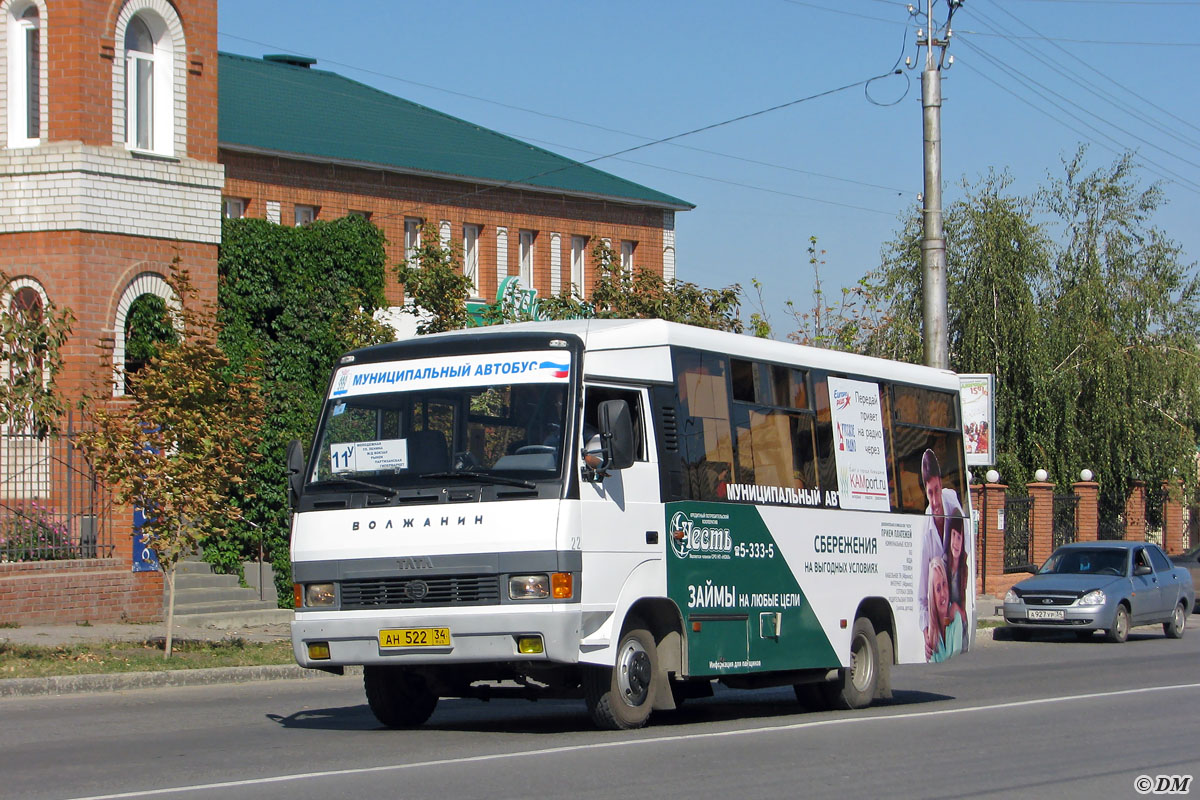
{"type": "Point", "coordinates": [1066, 528]}
{"type": "Point", "coordinates": [1018, 534]}
{"type": "Point", "coordinates": [1112, 528]}
{"type": "Point", "coordinates": [52, 506]}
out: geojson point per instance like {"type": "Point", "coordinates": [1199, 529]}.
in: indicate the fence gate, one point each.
{"type": "Point", "coordinates": [1066, 528]}
{"type": "Point", "coordinates": [1018, 534]}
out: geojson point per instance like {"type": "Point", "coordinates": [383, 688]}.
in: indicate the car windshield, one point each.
{"type": "Point", "coordinates": [1075, 561]}
{"type": "Point", "coordinates": [504, 432]}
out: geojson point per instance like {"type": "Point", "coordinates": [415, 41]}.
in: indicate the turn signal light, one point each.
{"type": "Point", "coordinates": [562, 585]}
{"type": "Point", "coordinates": [318, 651]}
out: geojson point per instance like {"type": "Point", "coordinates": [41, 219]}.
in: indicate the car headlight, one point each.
{"type": "Point", "coordinates": [1092, 598]}
{"type": "Point", "coordinates": [319, 594]}
{"type": "Point", "coordinates": [1012, 597]}
{"type": "Point", "coordinates": [529, 587]}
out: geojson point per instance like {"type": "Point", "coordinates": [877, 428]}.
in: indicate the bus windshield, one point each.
{"type": "Point", "coordinates": [505, 428]}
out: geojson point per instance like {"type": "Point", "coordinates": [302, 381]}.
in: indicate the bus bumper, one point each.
{"type": "Point", "coordinates": [480, 635]}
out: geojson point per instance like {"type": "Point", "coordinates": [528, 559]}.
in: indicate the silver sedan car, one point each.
{"type": "Point", "coordinates": [1110, 586]}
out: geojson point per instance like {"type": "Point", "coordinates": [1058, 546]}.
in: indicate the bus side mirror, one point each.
{"type": "Point", "coordinates": [616, 434]}
{"type": "Point", "coordinates": [295, 471]}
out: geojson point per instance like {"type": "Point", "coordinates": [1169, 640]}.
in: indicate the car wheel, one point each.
{"type": "Point", "coordinates": [1119, 630]}
{"type": "Point", "coordinates": [621, 697]}
{"type": "Point", "coordinates": [1173, 628]}
{"type": "Point", "coordinates": [398, 698]}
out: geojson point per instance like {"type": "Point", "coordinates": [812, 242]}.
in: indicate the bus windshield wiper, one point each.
{"type": "Point", "coordinates": [485, 477]}
{"type": "Point", "coordinates": [374, 487]}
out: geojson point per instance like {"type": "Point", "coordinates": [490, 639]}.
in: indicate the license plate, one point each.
{"type": "Point", "coordinates": [415, 637]}
{"type": "Point", "coordinates": [1047, 613]}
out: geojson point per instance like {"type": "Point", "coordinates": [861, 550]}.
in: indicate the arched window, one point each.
{"type": "Point", "coordinates": [140, 325]}
{"type": "Point", "coordinates": [147, 80]}
{"type": "Point", "coordinates": [146, 326]}
{"type": "Point", "coordinates": [26, 304]}
{"type": "Point", "coordinates": [24, 75]}
{"type": "Point", "coordinates": [139, 85]}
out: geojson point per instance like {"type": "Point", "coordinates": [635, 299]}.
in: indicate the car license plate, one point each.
{"type": "Point", "coordinates": [1046, 613]}
{"type": "Point", "coordinates": [415, 637]}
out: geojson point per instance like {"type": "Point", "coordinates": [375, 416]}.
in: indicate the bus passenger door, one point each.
{"type": "Point", "coordinates": [621, 514]}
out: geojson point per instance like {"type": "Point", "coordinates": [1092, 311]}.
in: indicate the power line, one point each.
{"type": "Point", "coordinates": [1147, 120]}
{"type": "Point", "coordinates": [1109, 78]}
{"type": "Point", "coordinates": [1112, 145]}
{"type": "Point", "coordinates": [573, 121]}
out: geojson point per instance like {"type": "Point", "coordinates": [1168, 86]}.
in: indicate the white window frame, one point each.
{"type": "Point", "coordinates": [526, 258]}
{"type": "Point", "coordinates": [627, 250]}
{"type": "Point", "coordinates": [161, 109]}
{"type": "Point", "coordinates": [578, 264]}
{"type": "Point", "coordinates": [355, 213]}
{"type": "Point", "coordinates": [233, 207]}
{"type": "Point", "coordinates": [303, 214]}
{"type": "Point", "coordinates": [471, 256]}
{"type": "Point", "coordinates": [412, 239]}
{"type": "Point", "coordinates": [24, 100]}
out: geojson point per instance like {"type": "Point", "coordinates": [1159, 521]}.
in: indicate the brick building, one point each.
{"type": "Point", "coordinates": [124, 137]}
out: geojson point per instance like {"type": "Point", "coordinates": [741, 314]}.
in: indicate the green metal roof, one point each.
{"type": "Point", "coordinates": [281, 107]}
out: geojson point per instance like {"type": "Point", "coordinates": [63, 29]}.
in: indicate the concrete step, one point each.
{"type": "Point", "coordinates": [227, 620]}
{"type": "Point", "coordinates": [217, 594]}
{"type": "Point", "coordinates": [222, 606]}
{"type": "Point", "coordinates": [205, 580]}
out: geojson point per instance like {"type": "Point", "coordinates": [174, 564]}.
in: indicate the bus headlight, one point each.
{"type": "Point", "coordinates": [319, 594]}
{"type": "Point", "coordinates": [529, 587]}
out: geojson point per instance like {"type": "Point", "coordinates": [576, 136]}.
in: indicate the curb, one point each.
{"type": "Point", "coordinates": [125, 681]}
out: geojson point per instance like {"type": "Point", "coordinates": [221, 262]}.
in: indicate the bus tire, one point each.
{"type": "Point", "coordinates": [398, 698]}
{"type": "Point", "coordinates": [621, 697]}
{"type": "Point", "coordinates": [860, 681]}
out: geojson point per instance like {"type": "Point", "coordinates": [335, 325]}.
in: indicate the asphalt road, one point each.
{"type": "Point", "coordinates": [1046, 718]}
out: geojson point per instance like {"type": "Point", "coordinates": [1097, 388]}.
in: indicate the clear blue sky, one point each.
{"type": "Point", "coordinates": [1032, 79]}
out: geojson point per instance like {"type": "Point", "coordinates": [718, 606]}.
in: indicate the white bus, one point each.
{"type": "Point", "coordinates": [627, 512]}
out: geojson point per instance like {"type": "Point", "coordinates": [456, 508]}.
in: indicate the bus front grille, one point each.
{"type": "Point", "coordinates": [440, 590]}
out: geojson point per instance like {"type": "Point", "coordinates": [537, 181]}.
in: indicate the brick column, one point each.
{"type": "Point", "coordinates": [1135, 513]}
{"type": "Point", "coordinates": [977, 529]}
{"type": "Point", "coordinates": [1042, 520]}
{"type": "Point", "coordinates": [1173, 518]}
{"type": "Point", "coordinates": [991, 549]}
{"type": "Point", "coordinates": [1087, 513]}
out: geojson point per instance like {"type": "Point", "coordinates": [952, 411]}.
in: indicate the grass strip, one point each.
{"type": "Point", "coordinates": [39, 661]}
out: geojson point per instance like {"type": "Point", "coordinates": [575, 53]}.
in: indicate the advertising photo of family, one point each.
{"type": "Point", "coordinates": [945, 575]}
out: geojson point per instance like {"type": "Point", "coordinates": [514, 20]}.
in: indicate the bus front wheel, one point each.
{"type": "Point", "coordinates": [398, 698]}
{"type": "Point", "coordinates": [621, 697]}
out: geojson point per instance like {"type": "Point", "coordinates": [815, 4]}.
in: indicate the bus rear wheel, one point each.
{"type": "Point", "coordinates": [621, 697]}
{"type": "Point", "coordinates": [860, 681]}
{"type": "Point", "coordinates": [398, 698]}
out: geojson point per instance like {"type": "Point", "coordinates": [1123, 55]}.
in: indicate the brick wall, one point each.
{"type": "Point", "coordinates": [95, 590]}
{"type": "Point", "coordinates": [391, 197]}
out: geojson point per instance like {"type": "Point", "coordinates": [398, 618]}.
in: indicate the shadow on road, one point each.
{"type": "Point", "coordinates": [570, 716]}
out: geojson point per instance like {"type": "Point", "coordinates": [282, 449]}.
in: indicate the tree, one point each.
{"type": "Point", "coordinates": [1091, 333]}
{"type": "Point", "coordinates": [436, 286]}
{"type": "Point", "coordinates": [178, 448]}
{"type": "Point", "coordinates": [31, 340]}
{"type": "Point", "coordinates": [294, 299]}
{"type": "Point", "coordinates": [1122, 326]}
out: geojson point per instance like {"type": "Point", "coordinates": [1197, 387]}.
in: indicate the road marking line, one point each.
{"type": "Point", "coordinates": [635, 742]}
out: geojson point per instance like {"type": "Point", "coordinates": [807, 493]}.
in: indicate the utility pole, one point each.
{"type": "Point", "coordinates": [933, 244]}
